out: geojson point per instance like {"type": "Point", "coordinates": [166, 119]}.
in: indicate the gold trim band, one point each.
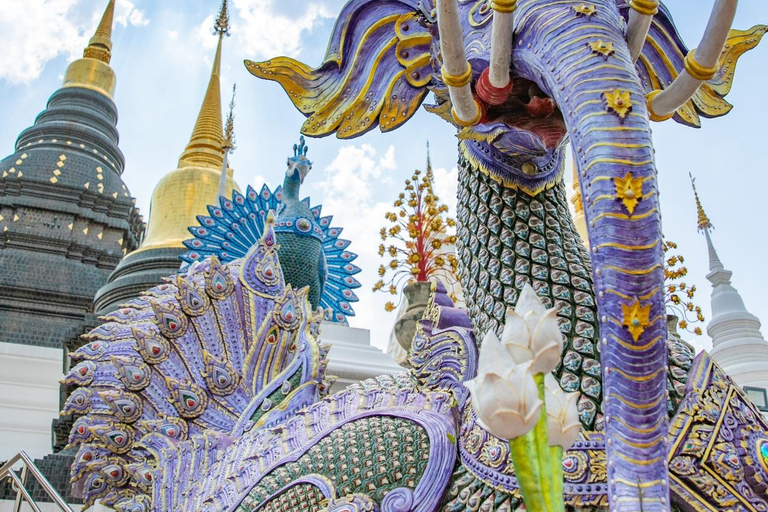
{"type": "Point", "coordinates": [457, 80]}
{"type": "Point", "coordinates": [471, 122]}
{"type": "Point", "coordinates": [645, 7]}
{"type": "Point", "coordinates": [653, 115]}
{"type": "Point", "coordinates": [698, 71]}
{"type": "Point", "coordinates": [504, 5]}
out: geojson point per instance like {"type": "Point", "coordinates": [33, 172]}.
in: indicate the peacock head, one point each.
{"type": "Point", "coordinates": [298, 165]}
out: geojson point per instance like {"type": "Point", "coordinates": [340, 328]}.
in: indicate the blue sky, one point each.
{"type": "Point", "coordinates": [162, 55]}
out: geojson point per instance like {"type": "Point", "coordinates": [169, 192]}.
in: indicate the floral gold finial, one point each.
{"type": "Point", "coordinates": [585, 10]}
{"type": "Point", "coordinates": [629, 190]}
{"type": "Point", "coordinates": [636, 318]}
{"type": "Point", "coordinates": [619, 102]}
{"type": "Point", "coordinates": [600, 47]}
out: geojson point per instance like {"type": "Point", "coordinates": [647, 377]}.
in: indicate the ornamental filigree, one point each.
{"type": "Point", "coordinates": [618, 102]}
{"type": "Point", "coordinates": [629, 190]}
{"type": "Point", "coordinates": [602, 48]}
{"type": "Point", "coordinates": [636, 318]}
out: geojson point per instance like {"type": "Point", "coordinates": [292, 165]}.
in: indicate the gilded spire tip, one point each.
{"type": "Point", "coordinates": [703, 221]}
{"type": "Point", "coordinates": [221, 26]}
{"type": "Point", "coordinates": [100, 45]}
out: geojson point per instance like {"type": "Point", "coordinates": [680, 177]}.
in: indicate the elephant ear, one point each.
{"type": "Point", "coordinates": [375, 71]}
{"type": "Point", "coordinates": [661, 60]}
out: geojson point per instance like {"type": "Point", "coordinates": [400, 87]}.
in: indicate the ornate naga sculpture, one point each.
{"type": "Point", "coordinates": [206, 393]}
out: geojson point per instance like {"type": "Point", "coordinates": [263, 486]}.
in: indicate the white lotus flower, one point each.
{"type": "Point", "coordinates": [563, 424]}
{"type": "Point", "coordinates": [531, 333]}
{"type": "Point", "coordinates": [504, 394]}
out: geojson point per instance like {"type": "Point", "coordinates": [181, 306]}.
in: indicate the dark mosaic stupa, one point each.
{"type": "Point", "coordinates": [66, 217]}
{"type": "Point", "coordinates": [66, 221]}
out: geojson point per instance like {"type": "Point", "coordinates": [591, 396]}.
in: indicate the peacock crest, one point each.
{"type": "Point", "coordinates": [234, 226]}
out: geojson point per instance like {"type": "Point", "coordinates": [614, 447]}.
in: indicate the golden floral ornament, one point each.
{"type": "Point", "coordinates": [636, 318]}
{"type": "Point", "coordinates": [563, 424]}
{"type": "Point", "coordinates": [504, 395]}
{"type": "Point", "coordinates": [629, 190]}
{"type": "Point", "coordinates": [532, 333]}
{"type": "Point", "coordinates": [585, 9]}
{"type": "Point", "coordinates": [602, 48]}
{"type": "Point", "coordinates": [618, 102]}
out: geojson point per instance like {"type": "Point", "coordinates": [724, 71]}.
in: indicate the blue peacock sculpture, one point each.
{"type": "Point", "coordinates": [310, 250]}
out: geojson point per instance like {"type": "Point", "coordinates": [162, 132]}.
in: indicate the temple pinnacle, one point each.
{"type": "Point", "coordinates": [206, 145]}
{"type": "Point", "coordinates": [221, 26]}
{"type": "Point", "coordinates": [429, 165]}
{"type": "Point", "coordinates": [100, 45]}
{"type": "Point", "coordinates": [703, 220]}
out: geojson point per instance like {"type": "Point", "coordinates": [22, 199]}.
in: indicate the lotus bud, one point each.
{"type": "Point", "coordinates": [504, 394]}
{"type": "Point", "coordinates": [532, 333]}
{"type": "Point", "coordinates": [563, 423]}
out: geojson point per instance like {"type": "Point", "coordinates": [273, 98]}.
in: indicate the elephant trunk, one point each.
{"type": "Point", "coordinates": [578, 52]}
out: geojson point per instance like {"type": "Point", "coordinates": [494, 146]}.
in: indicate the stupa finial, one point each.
{"type": "Point", "coordinates": [703, 221]}
{"type": "Point", "coordinates": [221, 26]}
{"type": "Point", "coordinates": [100, 45]}
{"type": "Point", "coordinates": [206, 145]}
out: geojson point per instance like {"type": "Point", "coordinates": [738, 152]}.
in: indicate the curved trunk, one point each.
{"type": "Point", "coordinates": [604, 106]}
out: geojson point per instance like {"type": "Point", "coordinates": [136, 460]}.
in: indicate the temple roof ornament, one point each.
{"type": "Point", "coordinates": [100, 45]}
{"type": "Point", "coordinates": [738, 345]}
{"type": "Point", "coordinates": [93, 71]}
{"type": "Point", "coordinates": [205, 146]}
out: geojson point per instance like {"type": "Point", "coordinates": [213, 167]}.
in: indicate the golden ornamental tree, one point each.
{"type": "Point", "coordinates": [417, 240]}
{"type": "Point", "coordinates": [678, 294]}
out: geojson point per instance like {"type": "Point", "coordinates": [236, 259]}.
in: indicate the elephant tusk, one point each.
{"type": "Point", "coordinates": [456, 71]}
{"type": "Point", "coordinates": [494, 84]}
{"type": "Point", "coordinates": [640, 18]}
{"type": "Point", "coordinates": [700, 65]}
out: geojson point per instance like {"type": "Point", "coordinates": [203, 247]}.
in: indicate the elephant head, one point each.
{"type": "Point", "coordinates": [520, 79]}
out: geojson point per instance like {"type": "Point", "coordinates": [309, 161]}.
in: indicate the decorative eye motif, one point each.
{"type": "Point", "coordinates": [91, 351]}
{"type": "Point", "coordinates": [154, 349]}
{"type": "Point", "coordinates": [189, 399]}
{"type": "Point", "coordinates": [126, 407]}
{"type": "Point", "coordinates": [221, 377]}
{"type": "Point", "coordinates": [81, 430]}
{"type": "Point", "coordinates": [79, 402]}
{"type": "Point", "coordinates": [81, 374]}
{"type": "Point", "coordinates": [114, 474]}
{"type": "Point", "coordinates": [133, 373]}
{"type": "Point", "coordinates": [218, 283]}
{"type": "Point", "coordinates": [117, 438]}
{"type": "Point", "coordinates": [171, 322]}
{"type": "Point", "coordinates": [192, 299]}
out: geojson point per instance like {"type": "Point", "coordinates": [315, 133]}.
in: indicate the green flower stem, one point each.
{"type": "Point", "coordinates": [552, 475]}
{"type": "Point", "coordinates": [528, 471]}
{"type": "Point", "coordinates": [556, 459]}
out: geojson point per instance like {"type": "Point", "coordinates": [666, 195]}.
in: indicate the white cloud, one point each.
{"type": "Point", "coordinates": [268, 33]}
{"type": "Point", "coordinates": [36, 31]}
{"type": "Point", "coordinates": [445, 186]}
{"type": "Point", "coordinates": [347, 188]}
{"type": "Point", "coordinates": [127, 14]}
{"type": "Point", "coordinates": [173, 34]}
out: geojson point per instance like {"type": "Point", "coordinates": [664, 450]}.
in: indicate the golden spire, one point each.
{"type": "Point", "coordinates": [100, 45]}
{"type": "Point", "coordinates": [703, 221]}
{"type": "Point", "coordinates": [205, 148]}
{"type": "Point", "coordinates": [93, 71]}
{"type": "Point", "coordinates": [429, 166]}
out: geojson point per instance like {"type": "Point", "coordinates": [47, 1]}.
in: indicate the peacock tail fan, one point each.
{"type": "Point", "coordinates": [234, 226]}
{"type": "Point", "coordinates": [214, 351]}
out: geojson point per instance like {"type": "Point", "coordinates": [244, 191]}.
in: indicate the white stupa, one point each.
{"type": "Point", "coordinates": [737, 344]}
